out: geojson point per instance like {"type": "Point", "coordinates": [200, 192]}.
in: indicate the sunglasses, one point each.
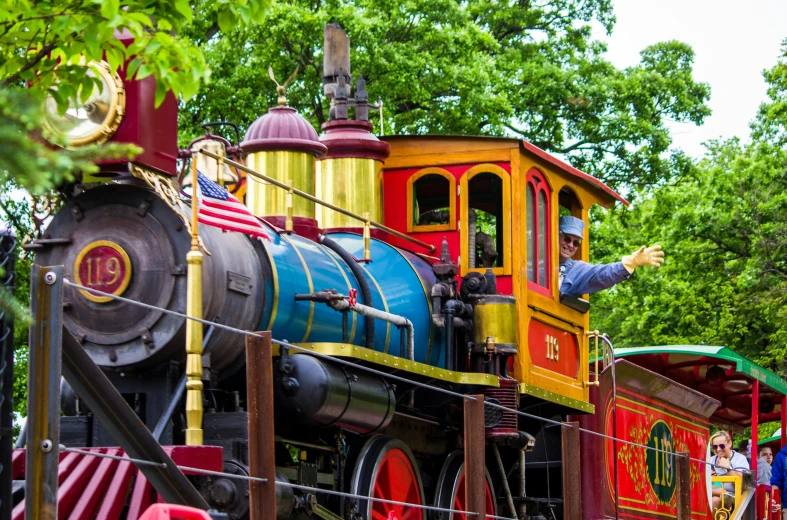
{"type": "Point", "coordinates": [568, 240]}
{"type": "Point", "coordinates": [718, 446]}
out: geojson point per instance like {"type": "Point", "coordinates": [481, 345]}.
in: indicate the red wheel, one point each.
{"type": "Point", "coordinates": [386, 469]}
{"type": "Point", "coordinates": [451, 488]}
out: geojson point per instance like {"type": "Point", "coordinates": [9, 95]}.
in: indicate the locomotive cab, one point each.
{"type": "Point", "coordinates": [497, 203]}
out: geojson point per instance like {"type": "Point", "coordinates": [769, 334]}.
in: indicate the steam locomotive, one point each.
{"type": "Point", "coordinates": [441, 269]}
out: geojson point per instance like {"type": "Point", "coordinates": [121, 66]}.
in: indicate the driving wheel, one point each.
{"type": "Point", "coordinates": [386, 469]}
{"type": "Point", "coordinates": [450, 491]}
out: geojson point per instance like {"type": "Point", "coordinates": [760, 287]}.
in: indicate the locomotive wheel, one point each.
{"type": "Point", "coordinates": [450, 491]}
{"type": "Point", "coordinates": [386, 469]}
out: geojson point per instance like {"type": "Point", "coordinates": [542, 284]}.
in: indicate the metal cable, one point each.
{"type": "Point", "coordinates": [124, 458]}
{"type": "Point", "coordinates": [275, 341]}
{"type": "Point", "coordinates": [370, 370]}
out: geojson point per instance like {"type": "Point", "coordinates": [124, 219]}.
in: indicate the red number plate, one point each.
{"type": "Point", "coordinates": [552, 348]}
{"type": "Point", "coordinates": [105, 266]}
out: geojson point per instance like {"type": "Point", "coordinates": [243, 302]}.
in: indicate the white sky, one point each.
{"type": "Point", "coordinates": [733, 42]}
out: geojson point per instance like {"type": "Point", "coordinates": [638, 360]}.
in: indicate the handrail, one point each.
{"type": "Point", "coordinates": [312, 198]}
{"type": "Point", "coordinates": [738, 504]}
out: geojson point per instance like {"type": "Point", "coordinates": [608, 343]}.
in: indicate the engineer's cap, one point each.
{"type": "Point", "coordinates": [572, 226]}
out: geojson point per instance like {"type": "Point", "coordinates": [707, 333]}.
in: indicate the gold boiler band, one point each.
{"type": "Point", "coordinates": [265, 200]}
{"type": "Point", "coordinates": [351, 183]}
{"type": "Point", "coordinates": [496, 320]}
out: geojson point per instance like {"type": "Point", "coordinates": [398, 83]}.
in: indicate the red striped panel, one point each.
{"type": "Point", "coordinates": [76, 483]}
{"type": "Point", "coordinates": [88, 502]}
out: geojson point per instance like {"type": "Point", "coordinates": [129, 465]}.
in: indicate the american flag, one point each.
{"type": "Point", "coordinates": [218, 208]}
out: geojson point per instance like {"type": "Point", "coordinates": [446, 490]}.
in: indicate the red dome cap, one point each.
{"type": "Point", "coordinates": [282, 128]}
{"type": "Point", "coordinates": [348, 138]}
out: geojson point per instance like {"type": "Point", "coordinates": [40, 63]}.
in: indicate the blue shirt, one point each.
{"type": "Point", "coordinates": [581, 277]}
{"type": "Point", "coordinates": [777, 470]}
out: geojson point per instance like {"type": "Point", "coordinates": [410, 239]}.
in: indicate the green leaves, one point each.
{"type": "Point", "coordinates": [723, 225]}
{"type": "Point", "coordinates": [476, 67]}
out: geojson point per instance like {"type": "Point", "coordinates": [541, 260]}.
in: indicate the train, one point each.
{"type": "Point", "coordinates": [429, 258]}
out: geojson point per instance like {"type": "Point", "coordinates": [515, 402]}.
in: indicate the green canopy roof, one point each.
{"type": "Point", "coordinates": [742, 365]}
{"type": "Point", "coordinates": [717, 372]}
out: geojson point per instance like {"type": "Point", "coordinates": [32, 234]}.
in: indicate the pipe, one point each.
{"type": "Point", "coordinates": [509, 498]}
{"type": "Point", "coordinates": [449, 310]}
{"type": "Point", "coordinates": [394, 319]}
{"type": "Point", "coordinates": [178, 393]}
{"type": "Point", "coordinates": [360, 277]}
{"type": "Point", "coordinates": [440, 291]}
{"type": "Point", "coordinates": [522, 484]}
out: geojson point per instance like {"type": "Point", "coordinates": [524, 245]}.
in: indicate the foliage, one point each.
{"type": "Point", "coordinates": [44, 50]}
{"type": "Point", "coordinates": [478, 67]}
{"type": "Point", "coordinates": [724, 228]}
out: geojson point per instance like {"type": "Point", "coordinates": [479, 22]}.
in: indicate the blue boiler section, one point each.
{"type": "Point", "coordinates": [400, 283]}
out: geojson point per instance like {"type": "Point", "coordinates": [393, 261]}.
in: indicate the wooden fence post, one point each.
{"type": "Point", "coordinates": [475, 453]}
{"type": "Point", "coordinates": [683, 483]}
{"type": "Point", "coordinates": [262, 459]}
{"type": "Point", "coordinates": [572, 473]}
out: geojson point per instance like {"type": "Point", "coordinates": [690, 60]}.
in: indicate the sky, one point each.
{"type": "Point", "coordinates": [733, 43]}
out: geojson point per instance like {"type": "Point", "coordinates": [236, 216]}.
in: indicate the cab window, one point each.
{"type": "Point", "coordinates": [431, 201]}
{"type": "Point", "coordinates": [486, 208]}
{"type": "Point", "coordinates": [568, 205]}
{"type": "Point", "coordinates": [485, 193]}
{"type": "Point", "coordinates": [539, 237]}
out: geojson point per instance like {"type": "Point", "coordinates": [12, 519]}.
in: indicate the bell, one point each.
{"type": "Point", "coordinates": [209, 166]}
{"type": "Point", "coordinates": [97, 119]}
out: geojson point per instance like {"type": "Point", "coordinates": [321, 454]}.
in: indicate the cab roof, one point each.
{"type": "Point", "coordinates": [607, 195]}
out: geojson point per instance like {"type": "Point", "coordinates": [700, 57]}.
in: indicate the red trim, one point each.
{"type": "Point", "coordinates": [755, 417]}
{"type": "Point", "coordinates": [535, 150]}
{"type": "Point", "coordinates": [784, 421]}
{"type": "Point", "coordinates": [538, 188]}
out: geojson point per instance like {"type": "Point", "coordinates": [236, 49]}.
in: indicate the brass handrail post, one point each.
{"type": "Point", "coordinates": [367, 238]}
{"type": "Point", "coordinates": [194, 328]}
{"type": "Point", "coordinates": [595, 334]}
{"type": "Point", "coordinates": [220, 167]}
{"type": "Point", "coordinates": [288, 226]}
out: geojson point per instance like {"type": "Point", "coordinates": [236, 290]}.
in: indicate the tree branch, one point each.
{"type": "Point", "coordinates": [46, 49]}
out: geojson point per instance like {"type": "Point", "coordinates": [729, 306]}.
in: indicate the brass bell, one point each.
{"type": "Point", "coordinates": [209, 166]}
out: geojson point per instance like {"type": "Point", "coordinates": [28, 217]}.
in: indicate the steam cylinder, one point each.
{"type": "Point", "coordinates": [316, 392]}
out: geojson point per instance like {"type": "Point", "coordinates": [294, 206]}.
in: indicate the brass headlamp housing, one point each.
{"type": "Point", "coordinates": [98, 118]}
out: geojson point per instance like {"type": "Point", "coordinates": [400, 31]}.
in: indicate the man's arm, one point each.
{"type": "Point", "coordinates": [585, 278]}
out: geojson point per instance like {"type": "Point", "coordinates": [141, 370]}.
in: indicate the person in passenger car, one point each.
{"type": "Point", "coordinates": [578, 277]}
{"type": "Point", "coordinates": [764, 466]}
{"type": "Point", "coordinates": [726, 463]}
{"type": "Point", "coordinates": [778, 473]}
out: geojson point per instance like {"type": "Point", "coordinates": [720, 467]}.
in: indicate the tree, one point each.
{"type": "Point", "coordinates": [724, 227]}
{"type": "Point", "coordinates": [45, 47]}
{"type": "Point", "coordinates": [477, 67]}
